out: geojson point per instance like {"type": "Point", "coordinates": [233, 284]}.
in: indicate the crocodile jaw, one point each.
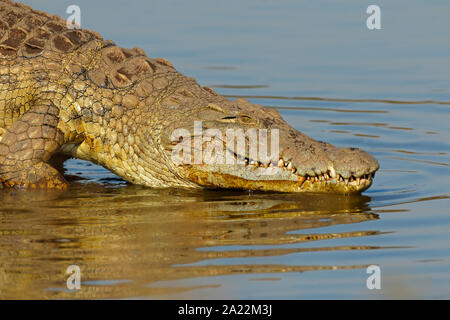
{"type": "Point", "coordinates": [278, 178]}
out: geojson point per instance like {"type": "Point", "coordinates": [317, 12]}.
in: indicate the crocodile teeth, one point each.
{"type": "Point", "coordinates": [325, 177]}
{"type": "Point", "coordinates": [332, 172]}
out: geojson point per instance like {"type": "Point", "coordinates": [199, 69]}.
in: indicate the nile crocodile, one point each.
{"type": "Point", "coordinates": [68, 93]}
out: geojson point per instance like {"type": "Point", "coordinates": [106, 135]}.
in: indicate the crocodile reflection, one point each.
{"type": "Point", "coordinates": [126, 239]}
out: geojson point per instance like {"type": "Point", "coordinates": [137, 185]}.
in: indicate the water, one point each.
{"type": "Point", "coordinates": [386, 91]}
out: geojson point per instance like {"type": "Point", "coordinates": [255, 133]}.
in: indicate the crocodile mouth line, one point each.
{"type": "Point", "coordinates": [271, 176]}
{"type": "Point", "coordinates": [330, 176]}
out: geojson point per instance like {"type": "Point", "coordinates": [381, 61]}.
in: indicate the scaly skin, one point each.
{"type": "Point", "coordinates": [69, 93]}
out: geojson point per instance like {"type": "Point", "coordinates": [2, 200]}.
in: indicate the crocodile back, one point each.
{"type": "Point", "coordinates": [25, 32]}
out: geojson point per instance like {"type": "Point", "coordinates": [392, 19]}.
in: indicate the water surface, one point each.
{"type": "Point", "coordinates": [386, 91]}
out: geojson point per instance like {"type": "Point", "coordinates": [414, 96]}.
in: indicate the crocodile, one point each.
{"type": "Point", "coordinates": [68, 93]}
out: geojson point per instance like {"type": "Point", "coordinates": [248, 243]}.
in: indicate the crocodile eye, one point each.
{"type": "Point", "coordinates": [245, 119]}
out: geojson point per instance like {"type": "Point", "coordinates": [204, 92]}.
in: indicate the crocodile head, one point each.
{"type": "Point", "coordinates": [202, 147]}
